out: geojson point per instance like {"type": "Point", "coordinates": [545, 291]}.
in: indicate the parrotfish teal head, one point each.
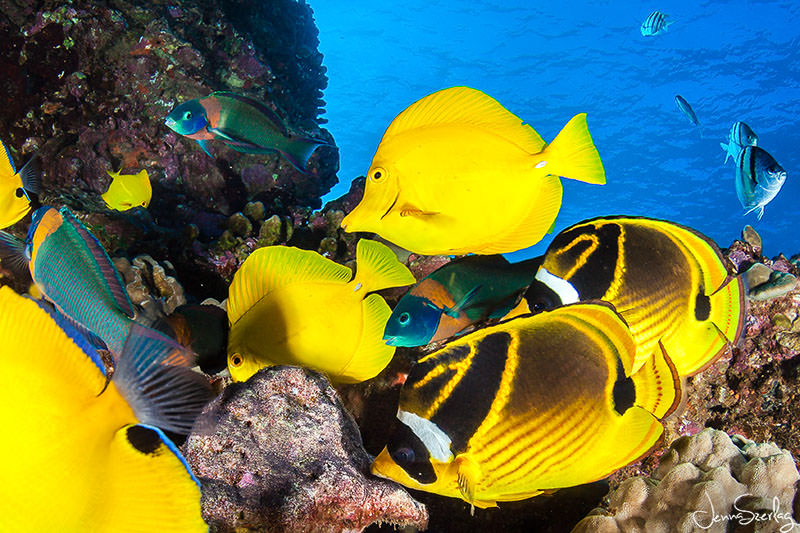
{"type": "Point", "coordinates": [413, 322]}
{"type": "Point", "coordinates": [187, 118]}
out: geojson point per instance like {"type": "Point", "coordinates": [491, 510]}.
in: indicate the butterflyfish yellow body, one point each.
{"type": "Point", "coordinates": [457, 173]}
{"type": "Point", "coordinates": [535, 403]}
{"type": "Point", "coordinates": [17, 189]}
{"type": "Point", "coordinates": [80, 453]}
{"type": "Point", "coordinates": [295, 307]}
{"type": "Point", "coordinates": [670, 283]}
{"type": "Point", "coordinates": [127, 191]}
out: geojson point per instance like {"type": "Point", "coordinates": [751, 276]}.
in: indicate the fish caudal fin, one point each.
{"type": "Point", "coordinates": [657, 384]}
{"type": "Point", "coordinates": [150, 487]}
{"type": "Point", "coordinates": [372, 354]}
{"type": "Point", "coordinates": [299, 151]}
{"type": "Point", "coordinates": [377, 267]}
{"type": "Point", "coordinates": [727, 150]}
{"type": "Point", "coordinates": [572, 154]}
{"type": "Point", "coordinates": [154, 375]}
{"type": "Point", "coordinates": [276, 266]}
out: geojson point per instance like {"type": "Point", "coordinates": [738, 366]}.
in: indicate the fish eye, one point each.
{"type": "Point", "coordinates": [187, 115]}
{"type": "Point", "coordinates": [377, 174]}
{"type": "Point", "coordinates": [236, 360]}
{"type": "Point", "coordinates": [19, 193]}
{"type": "Point", "coordinates": [405, 318]}
{"type": "Point", "coordinates": [403, 455]}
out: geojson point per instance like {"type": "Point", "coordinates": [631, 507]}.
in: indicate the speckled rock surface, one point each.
{"type": "Point", "coordinates": [279, 453]}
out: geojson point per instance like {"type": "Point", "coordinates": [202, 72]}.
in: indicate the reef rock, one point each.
{"type": "Point", "coordinates": [706, 482]}
{"type": "Point", "coordinates": [279, 453]}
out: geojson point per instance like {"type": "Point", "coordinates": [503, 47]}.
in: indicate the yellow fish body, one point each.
{"type": "Point", "coordinates": [536, 403]}
{"type": "Point", "coordinates": [16, 188]}
{"type": "Point", "coordinates": [76, 456]}
{"type": "Point", "coordinates": [128, 191]}
{"type": "Point", "coordinates": [669, 282]}
{"type": "Point", "coordinates": [295, 307]}
{"type": "Point", "coordinates": [457, 173]}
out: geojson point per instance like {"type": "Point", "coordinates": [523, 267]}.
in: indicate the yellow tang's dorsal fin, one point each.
{"type": "Point", "coordinates": [377, 267]}
{"type": "Point", "coordinates": [276, 266]}
{"type": "Point", "coordinates": [466, 106]}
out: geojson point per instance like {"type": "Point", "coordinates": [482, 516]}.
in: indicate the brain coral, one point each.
{"type": "Point", "coordinates": [706, 482]}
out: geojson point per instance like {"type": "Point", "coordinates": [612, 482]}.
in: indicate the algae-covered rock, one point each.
{"type": "Point", "coordinates": [751, 237]}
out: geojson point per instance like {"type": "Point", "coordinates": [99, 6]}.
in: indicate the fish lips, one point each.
{"type": "Point", "coordinates": [170, 123]}
{"type": "Point", "coordinates": [391, 340]}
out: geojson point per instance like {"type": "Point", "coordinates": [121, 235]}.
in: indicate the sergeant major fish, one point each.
{"type": "Point", "coordinates": [655, 23]}
{"type": "Point", "coordinates": [759, 178]}
{"type": "Point", "coordinates": [740, 136]}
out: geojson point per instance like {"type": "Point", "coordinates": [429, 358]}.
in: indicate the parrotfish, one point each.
{"type": "Point", "coordinates": [294, 307]}
{"type": "Point", "coordinates": [460, 294]}
{"type": "Point", "coordinates": [72, 270]}
{"type": "Point", "coordinates": [243, 124]}
{"type": "Point", "coordinates": [655, 23]}
{"type": "Point", "coordinates": [90, 446]}
{"type": "Point", "coordinates": [740, 136]}
{"type": "Point", "coordinates": [532, 404]}
{"type": "Point", "coordinates": [686, 109]}
{"type": "Point", "coordinates": [18, 190]}
{"type": "Point", "coordinates": [127, 191]}
{"type": "Point", "coordinates": [670, 283]}
{"type": "Point", "coordinates": [759, 178]}
{"type": "Point", "coordinates": [457, 173]}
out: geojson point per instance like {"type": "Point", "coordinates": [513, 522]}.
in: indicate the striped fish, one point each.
{"type": "Point", "coordinates": [669, 282]}
{"type": "Point", "coordinates": [655, 23]}
{"type": "Point", "coordinates": [759, 178]}
{"type": "Point", "coordinates": [535, 403]}
{"type": "Point", "coordinates": [740, 136]}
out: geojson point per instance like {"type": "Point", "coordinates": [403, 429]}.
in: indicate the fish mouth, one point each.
{"type": "Point", "coordinates": [390, 340]}
{"type": "Point", "coordinates": [170, 122]}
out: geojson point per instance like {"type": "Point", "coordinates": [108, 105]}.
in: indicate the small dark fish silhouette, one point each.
{"type": "Point", "coordinates": [686, 109]}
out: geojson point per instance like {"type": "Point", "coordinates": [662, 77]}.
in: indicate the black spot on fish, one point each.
{"type": "Point", "coordinates": [595, 273]}
{"type": "Point", "coordinates": [702, 307]}
{"type": "Point", "coordinates": [624, 392]}
{"type": "Point", "coordinates": [143, 439]}
{"type": "Point", "coordinates": [19, 193]}
{"type": "Point", "coordinates": [540, 297]}
{"type": "Point", "coordinates": [469, 402]}
{"type": "Point", "coordinates": [410, 454]}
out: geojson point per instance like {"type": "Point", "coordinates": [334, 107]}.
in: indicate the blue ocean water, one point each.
{"type": "Point", "coordinates": [546, 61]}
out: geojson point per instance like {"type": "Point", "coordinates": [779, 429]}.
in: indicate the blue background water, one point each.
{"type": "Point", "coordinates": [546, 61]}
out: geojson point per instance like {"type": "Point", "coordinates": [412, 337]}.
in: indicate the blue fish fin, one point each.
{"type": "Point", "coordinates": [204, 146]}
{"type": "Point", "coordinates": [760, 211]}
{"type": "Point", "coordinates": [258, 106]}
{"type": "Point", "coordinates": [87, 341]}
{"type": "Point", "coordinates": [154, 375]}
{"type": "Point", "coordinates": [107, 269]}
{"type": "Point", "coordinates": [463, 303]}
{"type": "Point", "coordinates": [12, 255]}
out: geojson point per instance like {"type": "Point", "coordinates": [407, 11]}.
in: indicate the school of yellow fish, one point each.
{"type": "Point", "coordinates": [570, 385]}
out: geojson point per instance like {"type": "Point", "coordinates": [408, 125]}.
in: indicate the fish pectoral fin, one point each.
{"type": "Point", "coordinates": [226, 135]}
{"type": "Point", "coordinates": [463, 303]}
{"type": "Point", "coordinates": [409, 210]}
{"type": "Point", "coordinates": [152, 484]}
{"type": "Point", "coordinates": [469, 473]}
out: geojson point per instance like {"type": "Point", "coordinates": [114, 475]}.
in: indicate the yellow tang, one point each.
{"type": "Point", "coordinates": [670, 282]}
{"type": "Point", "coordinates": [17, 189]}
{"type": "Point", "coordinates": [536, 403]}
{"type": "Point", "coordinates": [457, 173]}
{"type": "Point", "coordinates": [128, 191]}
{"type": "Point", "coordinates": [76, 455]}
{"type": "Point", "coordinates": [288, 306]}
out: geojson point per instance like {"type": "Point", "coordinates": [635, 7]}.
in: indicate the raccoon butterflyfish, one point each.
{"type": "Point", "coordinates": [457, 295]}
{"type": "Point", "coordinates": [18, 190]}
{"type": "Point", "coordinates": [536, 403]}
{"type": "Point", "coordinates": [670, 283]}
{"type": "Point", "coordinates": [72, 270]}
{"type": "Point", "coordinates": [127, 191]}
{"type": "Point", "coordinates": [85, 454]}
{"type": "Point", "coordinates": [243, 124]}
{"type": "Point", "coordinates": [457, 173]}
{"type": "Point", "coordinates": [295, 307]}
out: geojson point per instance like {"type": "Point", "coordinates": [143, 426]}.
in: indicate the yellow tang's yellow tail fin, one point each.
{"type": "Point", "coordinates": [657, 384]}
{"type": "Point", "coordinates": [377, 267]}
{"type": "Point", "coordinates": [150, 487]}
{"type": "Point", "coordinates": [572, 154]}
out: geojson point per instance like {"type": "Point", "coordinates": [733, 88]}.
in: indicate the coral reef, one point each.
{"type": "Point", "coordinates": [706, 482]}
{"type": "Point", "coordinates": [149, 286]}
{"type": "Point", "coordinates": [279, 453]}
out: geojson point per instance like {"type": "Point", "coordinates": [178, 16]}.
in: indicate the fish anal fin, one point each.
{"type": "Point", "coordinates": [150, 484]}
{"type": "Point", "coordinates": [533, 225]}
{"type": "Point", "coordinates": [276, 266]}
{"type": "Point", "coordinates": [468, 475]}
{"type": "Point", "coordinates": [658, 385]}
{"type": "Point", "coordinates": [377, 267]}
{"type": "Point", "coordinates": [572, 154]}
{"type": "Point", "coordinates": [372, 354]}
{"type": "Point", "coordinates": [466, 106]}
{"type": "Point", "coordinates": [108, 271]}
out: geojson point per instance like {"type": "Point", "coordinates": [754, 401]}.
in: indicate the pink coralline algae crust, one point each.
{"type": "Point", "coordinates": [279, 453]}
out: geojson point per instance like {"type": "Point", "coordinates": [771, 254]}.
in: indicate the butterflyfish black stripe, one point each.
{"type": "Point", "coordinates": [402, 440]}
{"type": "Point", "coordinates": [464, 410]}
{"type": "Point", "coordinates": [595, 273]}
